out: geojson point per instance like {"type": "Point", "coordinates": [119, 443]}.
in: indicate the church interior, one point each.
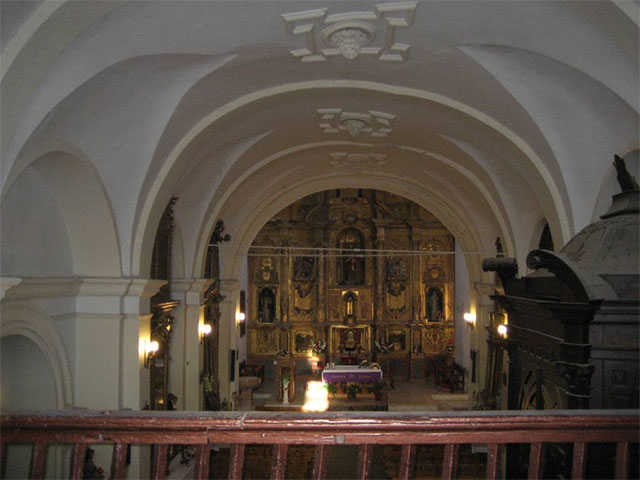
{"type": "Point", "coordinates": [208, 206]}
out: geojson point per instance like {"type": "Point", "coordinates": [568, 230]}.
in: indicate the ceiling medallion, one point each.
{"type": "Point", "coordinates": [351, 34]}
{"type": "Point", "coordinates": [357, 161]}
{"type": "Point", "coordinates": [354, 126]}
{"type": "Point", "coordinates": [375, 124]}
{"type": "Point", "coordinates": [349, 37]}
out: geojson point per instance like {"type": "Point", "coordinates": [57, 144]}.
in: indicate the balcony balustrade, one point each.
{"type": "Point", "coordinates": [495, 429]}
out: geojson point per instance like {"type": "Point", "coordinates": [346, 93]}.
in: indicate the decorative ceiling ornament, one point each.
{"type": "Point", "coordinates": [357, 160]}
{"type": "Point", "coordinates": [351, 34]}
{"type": "Point", "coordinates": [376, 124]}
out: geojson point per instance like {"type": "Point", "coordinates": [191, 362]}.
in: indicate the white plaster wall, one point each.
{"type": "Point", "coordinates": [33, 237]}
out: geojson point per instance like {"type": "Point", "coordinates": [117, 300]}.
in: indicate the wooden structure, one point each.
{"type": "Point", "coordinates": [201, 429]}
{"type": "Point", "coordinates": [574, 324]}
{"type": "Point", "coordinates": [315, 279]}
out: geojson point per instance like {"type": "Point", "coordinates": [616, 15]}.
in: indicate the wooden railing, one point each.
{"type": "Point", "coordinates": [407, 430]}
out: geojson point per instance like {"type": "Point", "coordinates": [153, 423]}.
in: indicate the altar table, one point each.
{"type": "Point", "coordinates": [349, 373]}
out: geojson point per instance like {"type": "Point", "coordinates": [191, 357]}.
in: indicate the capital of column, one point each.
{"type": "Point", "coordinates": [228, 287]}
{"type": "Point", "coordinates": [191, 290]}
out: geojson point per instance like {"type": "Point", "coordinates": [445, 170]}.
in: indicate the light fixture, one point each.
{"type": "Point", "coordinates": [150, 350]}
{"type": "Point", "coordinates": [204, 329]}
{"type": "Point", "coordinates": [240, 317]}
{"type": "Point", "coordinates": [502, 330]}
{"type": "Point", "coordinates": [470, 319]}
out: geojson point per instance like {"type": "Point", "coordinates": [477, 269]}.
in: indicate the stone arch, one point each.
{"type": "Point", "coordinates": [83, 232]}
{"type": "Point", "coordinates": [27, 321]}
{"type": "Point", "coordinates": [457, 222]}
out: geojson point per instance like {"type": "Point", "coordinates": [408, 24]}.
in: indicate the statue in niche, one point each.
{"type": "Point", "coordinates": [266, 306]}
{"type": "Point", "coordinates": [350, 341]}
{"type": "Point", "coordinates": [351, 268]}
{"type": "Point", "coordinates": [350, 299]}
{"type": "Point", "coordinates": [435, 304]}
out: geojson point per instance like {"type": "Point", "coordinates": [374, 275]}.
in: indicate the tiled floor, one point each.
{"type": "Point", "coordinates": [414, 395]}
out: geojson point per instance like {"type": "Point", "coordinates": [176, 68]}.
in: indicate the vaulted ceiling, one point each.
{"type": "Point", "coordinates": [495, 116]}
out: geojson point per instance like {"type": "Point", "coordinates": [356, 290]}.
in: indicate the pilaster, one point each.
{"type": "Point", "coordinates": [228, 339]}
{"type": "Point", "coordinates": [186, 364]}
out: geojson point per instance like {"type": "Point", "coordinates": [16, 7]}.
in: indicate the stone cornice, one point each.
{"type": "Point", "coordinates": [6, 283]}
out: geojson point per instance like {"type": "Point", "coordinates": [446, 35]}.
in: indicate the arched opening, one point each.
{"type": "Point", "coordinates": [353, 275]}
{"type": "Point", "coordinates": [28, 383]}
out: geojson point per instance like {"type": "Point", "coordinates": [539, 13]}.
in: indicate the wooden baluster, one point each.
{"type": "Point", "coordinates": [536, 460]}
{"type": "Point", "coordinates": [407, 456]}
{"type": "Point", "coordinates": [202, 461]}
{"type": "Point", "coordinates": [3, 459]}
{"type": "Point", "coordinates": [493, 455]}
{"type": "Point", "coordinates": [320, 462]}
{"type": "Point", "coordinates": [622, 460]}
{"type": "Point", "coordinates": [364, 461]}
{"type": "Point", "coordinates": [119, 461]}
{"type": "Point", "coordinates": [77, 461]}
{"type": "Point", "coordinates": [39, 460]}
{"type": "Point", "coordinates": [160, 461]}
{"type": "Point", "coordinates": [450, 461]}
{"type": "Point", "coordinates": [279, 462]}
{"type": "Point", "coordinates": [236, 462]}
{"type": "Point", "coordinates": [579, 464]}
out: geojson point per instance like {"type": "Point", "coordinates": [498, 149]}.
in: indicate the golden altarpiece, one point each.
{"type": "Point", "coordinates": [350, 275]}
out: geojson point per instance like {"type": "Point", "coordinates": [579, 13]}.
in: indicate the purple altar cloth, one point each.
{"type": "Point", "coordinates": [351, 374]}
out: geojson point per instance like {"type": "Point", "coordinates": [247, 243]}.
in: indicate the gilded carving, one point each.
{"type": "Point", "coordinates": [339, 282]}
{"type": "Point", "coordinates": [266, 273]}
{"type": "Point", "coordinates": [265, 341]}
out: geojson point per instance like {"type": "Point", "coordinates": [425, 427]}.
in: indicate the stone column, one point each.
{"type": "Point", "coordinates": [186, 349]}
{"type": "Point", "coordinates": [228, 338]}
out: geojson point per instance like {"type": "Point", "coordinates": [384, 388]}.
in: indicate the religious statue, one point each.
{"type": "Point", "coordinates": [435, 304]}
{"type": "Point", "coordinates": [266, 306]}
{"type": "Point", "coordinates": [350, 342]}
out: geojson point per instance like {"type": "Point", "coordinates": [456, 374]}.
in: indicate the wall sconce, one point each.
{"type": "Point", "coordinates": [204, 330]}
{"type": "Point", "coordinates": [150, 350]}
{"type": "Point", "coordinates": [240, 317]}
{"type": "Point", "coordinates": [470, 319]}
{"type": "Point", "coordinates": [502, 330]}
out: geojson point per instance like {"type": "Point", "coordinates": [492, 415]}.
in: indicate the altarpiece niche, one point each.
{"type": "Point", "coordinates": [351, 275]}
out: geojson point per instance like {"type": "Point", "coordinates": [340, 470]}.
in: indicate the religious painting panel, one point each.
{"type": "Point", "coordinates": [397, 339]}
{"type": "Point", "coordinates": [350, 267]}
{"type": "Point", "coordinates": [304, 280]}
{"type": "Point", "coordinates": [303, 340]}
{"type": "Point", "coordinates": [264, 340]}
{"type": "Point", "coordinates": [395, 285]}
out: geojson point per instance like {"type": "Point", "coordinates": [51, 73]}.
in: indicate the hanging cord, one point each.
{"type": "Point", "coordinates": [286, 251]}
